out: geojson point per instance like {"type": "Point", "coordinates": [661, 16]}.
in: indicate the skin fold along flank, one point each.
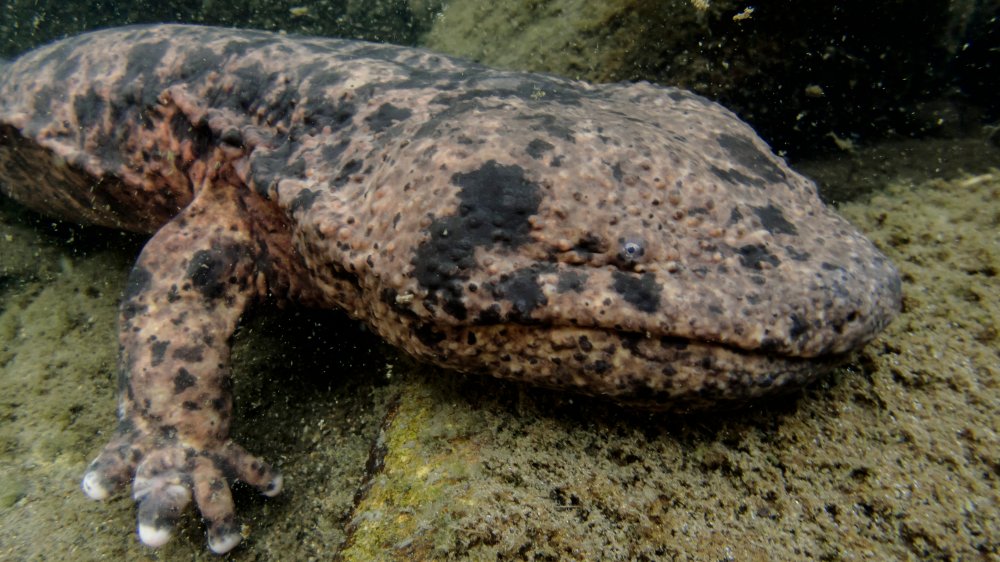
{"type": "Point", "coordinates": [622, 240]}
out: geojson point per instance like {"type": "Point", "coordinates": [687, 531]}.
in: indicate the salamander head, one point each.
{"type": "Point", "coordinates": [638, 242]}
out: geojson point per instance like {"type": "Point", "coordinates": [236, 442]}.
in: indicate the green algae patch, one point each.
{"type": "Point", "coordinates": [595, 41]}
{"type": "Point", "coordinates": [420, 476]}
{"type": "Point", "coordinates": [12, 489]}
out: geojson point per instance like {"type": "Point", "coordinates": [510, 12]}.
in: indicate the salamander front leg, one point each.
{"type": "Point", "coordinates": [184, 297]}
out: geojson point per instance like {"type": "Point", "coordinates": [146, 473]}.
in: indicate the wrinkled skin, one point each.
{"type": "Point", "coordinates": [628, 241]}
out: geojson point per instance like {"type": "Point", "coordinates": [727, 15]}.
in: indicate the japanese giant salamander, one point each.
{"type": "Point", "coordinates": [622, 240]}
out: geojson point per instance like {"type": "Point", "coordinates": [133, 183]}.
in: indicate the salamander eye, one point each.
{"type": "Point", "coordinates": [631, 250]}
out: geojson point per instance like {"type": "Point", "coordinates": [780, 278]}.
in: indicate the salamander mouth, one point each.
{"type": "Point", "coordinates": [653, 372]}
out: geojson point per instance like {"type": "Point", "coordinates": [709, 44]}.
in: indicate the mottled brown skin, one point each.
{"type": "Point", "coordinates": [628, 241]}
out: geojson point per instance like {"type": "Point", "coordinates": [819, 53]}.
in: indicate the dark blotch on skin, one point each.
{"type": "Point", "coordinates": [140, 70]}
{"type": "Point", "coordinates": [745, 152]}
{"type": "Point", "coordinates": [320, 113]}
{"type": "Point", "coordinates": [571, 281]}
{"type": "Point", "coordinates": [752, 255]}
{"type": "Point", "coordinates": [642, 292]}
{"type": "Point", "coordinates": [168, 433]}
{"type": "Point", "coordinates": [523, 291]}
{"type": "Point", "coordinates": [189, 353]}
{"type": "Point", "coordinates": [66, 67]}
{"type": "Point", "coordinates": [773, 220]}
{"type": "Point", "coordinates": [199, 62]}
{"type": "Point", "coordinates": [304, 200]}
{"type": "Point", "coordinates": [296, 169]}
{"type": "Point", "coordinates": [734, 176]}
{"type": "Point", "coordinates": [490, 316]}
{"type": "Point", "coordinates": [183, 380]}
{"type": "Point", "coordinates": [428, 335]}
{"type": "Point", "coordinates": [616, 171]}
{"type": "Point", "coordinates": [207, 273]}
{"type": "Point", "coordinates": [257, 92]}
{"type": "Point", "coordinates": [495, 203]}
{"type": "Point", "coordinates": [482, 84]}
{"type": "Point", "coordinates": [267, 166]}
{"type": "Point", "coordinates": [799, 326]}
{"type": "Point", "coordinates": [89, 108]}
{"type": "Point", "coordinates": [537, 147]}
{"type": "Point", "coordinates": [590, 244]}
{"type": "Point", "coordinates": [351, 167]}
{"type": "Point", "coordinates": [157, 351]}
{"type": "Point", "coordinates": [440, 123]}
{"type": "Point", "coordinates": [331, 153]}
{"type": "Point", "coordinates": [209, 270]}
{"type": "Point", "coordinates": [557, 127]}
{"type": "Point", "coordinates": [386, 116]}
{"type": "Point", "coordinates": [795, 254]}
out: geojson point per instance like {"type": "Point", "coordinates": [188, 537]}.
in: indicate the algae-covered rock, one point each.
{"type": "Point", "coordinates": [803, 73]}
